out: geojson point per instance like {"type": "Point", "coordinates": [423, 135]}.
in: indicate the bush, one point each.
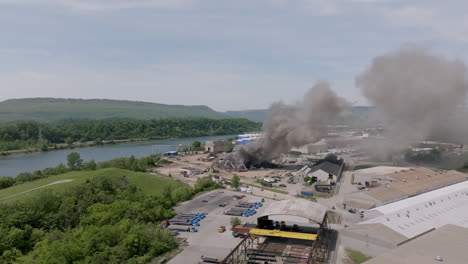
{"type": "Point", "coordinates": [235, 221]}
{"type": "Point", "coordinates": [206, 184]}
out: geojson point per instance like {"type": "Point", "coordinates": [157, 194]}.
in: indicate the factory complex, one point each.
{"type": "Point", "coordinates": [314, 204]}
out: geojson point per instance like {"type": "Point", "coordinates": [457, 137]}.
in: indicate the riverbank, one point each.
{"type": "Point", "coordinates": [63, 146]}
{"type": "Point", "coordinates": [12, 165]}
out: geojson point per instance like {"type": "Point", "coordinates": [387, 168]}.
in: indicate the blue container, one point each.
{"type": "Point", "coordinates": [304, 193]}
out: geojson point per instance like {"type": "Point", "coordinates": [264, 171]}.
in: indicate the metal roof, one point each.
{"type": "Point", "coordinates": [413, 216]}
{"type": "Point", "coordinates": [449, 242]}
{"type": "Point", "coordinates": [328, 167]}
{"type": "Point", "coordinates": [298, 207]}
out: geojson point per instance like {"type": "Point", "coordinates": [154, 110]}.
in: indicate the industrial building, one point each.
{"type": "Point", "coordinates": [402, 184]}
{"type": "Point", "coordinates": [218, 146]}
{"type": "Point", "coordinates": [447, 245]}
{"type": "Point", "coordinates": [325, 172]}
{"type": "Point", "coordinates": [419, 214]}
{"type": "Point", "coordinates": [396, 224]}
{"type": "Point", "coordinates": [247, 138]}
{"type": "Point", "coordinates": [289, 232]}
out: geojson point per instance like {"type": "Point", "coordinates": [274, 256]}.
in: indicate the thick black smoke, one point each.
{"type": "Point", "coordinates": [296, 125]}
{"type": "Point", "coordinates": [415, 93]}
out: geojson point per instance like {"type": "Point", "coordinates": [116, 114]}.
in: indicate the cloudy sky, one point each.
{"type": "Point", "coordinates": [241, 54]}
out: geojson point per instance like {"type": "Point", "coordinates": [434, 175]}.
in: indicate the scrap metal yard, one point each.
{"type": "Point", "coordinates": [315, 203]}
{"type": "Point", "coordinates": [208, 241]}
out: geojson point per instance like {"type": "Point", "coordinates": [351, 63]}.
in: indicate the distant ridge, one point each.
{"type": "Point", "coordinates": [359, 114]}
{"type": "Point", "coordinates": [257, 115]}
{"type": "Point", "coordinates": [58, 109]}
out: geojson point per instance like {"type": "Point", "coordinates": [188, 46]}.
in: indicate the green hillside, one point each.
{"type": "Point", "coordinates": [150, 184]}
{"type": "Point", "coordinates": [57, 109]}
{"type": "Point", "coordinates": [258, 115]}
{"type": "Point", "coordinates": [358, 116]}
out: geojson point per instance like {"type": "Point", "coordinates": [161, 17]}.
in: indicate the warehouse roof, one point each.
{"type": "Point", "coordinates": [449, 242]}
{"type": "Point", "coordinates": [416, 215]}
{"type": "Point", "coordinates": [328, 167]}
{"type": "Point", "coordinates": [411, 182]}
{"type": "Point", "coordinates": [298, 207]}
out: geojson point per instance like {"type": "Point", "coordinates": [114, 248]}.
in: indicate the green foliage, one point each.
{"type": "Point", "coordinates": [295, 153]}
{"type": "Point", "coordinates": [235, 181]}
{"type": "Point", "coordinates": [74, 161]}
{"type": "Point", "coordinates": [90, 165]}
{"type": "Point", "coordinates": [259, 115]}
{"type": "Point", "coordinates": [24, 135]}
{"type": "Point", "coordinates": [367, 166]}
{"type": "Point", "coordinates": [197, 146]}
{"type": "Point", "coordinates": [132, 163]}
{"type": "Point", "coordinates": [235, 221]}
{"type": "Point", "coordinates": [76, 110]}
{"type": "Point", "coordinates": [206, 184]}
{"type": "Point", "coordinates": [44, 148]}
{"type": "Point", "coordinates": [106, 219]}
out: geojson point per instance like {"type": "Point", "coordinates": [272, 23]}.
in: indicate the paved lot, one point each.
{"type": "Point", "coordinates": [207, 241]}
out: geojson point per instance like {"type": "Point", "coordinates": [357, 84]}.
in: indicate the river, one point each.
{"type": "Point", "coordinates": [13, 165]}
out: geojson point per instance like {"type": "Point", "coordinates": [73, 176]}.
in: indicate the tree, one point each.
{"type": "Point", "coordinates": [197, 145]}
{"type": "Point", "coordinates": [235, 181]}
{"type": "Point", "coordinates": [235, 221]}
{"type": "Point", "coordinates": [90, 165]}
{"type": "Point", "coordinates": [74, 161]}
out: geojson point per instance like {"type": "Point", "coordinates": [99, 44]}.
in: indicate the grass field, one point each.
{"type": "Point", "coordinates": [367, 166]}
{"type": "Point", "coordinates": [357, 257]}
{"type": "Point", "coordinates": [149, 183]}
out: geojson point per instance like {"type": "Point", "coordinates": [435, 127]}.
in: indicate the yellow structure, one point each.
{"type": "Point", "coordinates": [279, 233]}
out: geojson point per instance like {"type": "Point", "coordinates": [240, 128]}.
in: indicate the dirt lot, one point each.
{"type": "Point", "coordinates": [207, 241]}
{"type": "Point", "coordinates": [179, 162]}
{"type": "Point", "coordinates": [195, 161]}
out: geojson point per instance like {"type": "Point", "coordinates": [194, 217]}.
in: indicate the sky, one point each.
{"type": "Point", "coordinates": [229, 55]}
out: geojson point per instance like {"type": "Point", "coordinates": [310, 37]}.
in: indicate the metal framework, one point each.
{"type": "Point", "coordinates": [321, 245]}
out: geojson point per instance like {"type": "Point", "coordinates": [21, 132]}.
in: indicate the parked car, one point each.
{"type": "Point", "coordinates": [204, 201]}
{"type": "Point", "coordinates": [222, 204]}
{"type": "Point", "coordinates": [361, 187]}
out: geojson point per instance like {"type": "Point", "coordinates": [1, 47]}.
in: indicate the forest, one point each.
{"type": "Point", "coordinates": [36, 135]}
{"type": "Point", "coordinates": [107, 219]}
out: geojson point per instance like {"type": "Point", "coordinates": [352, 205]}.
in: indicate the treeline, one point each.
{"type": "Point", "coordinates": [75, 163]}
{"type": "Point", "coordinates": [105, 220]}
{"type": "Point", "coordinates": [34, 135]}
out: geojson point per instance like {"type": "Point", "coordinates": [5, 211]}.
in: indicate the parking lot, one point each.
{"type": "Point", "coordinates": [207, 241]}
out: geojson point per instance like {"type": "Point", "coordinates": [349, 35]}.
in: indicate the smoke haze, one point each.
{"type": "Point", "coordinates": [289, 126]}
{"type": "Point", "coordinates": [414, 92]}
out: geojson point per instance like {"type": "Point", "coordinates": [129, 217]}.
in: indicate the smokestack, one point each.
{"type": "Point", "coordinates": [414, 92]}
{"type": "Point", "coordinates": [295, 125]}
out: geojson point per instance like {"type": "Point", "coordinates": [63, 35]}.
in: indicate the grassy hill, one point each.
{"type": "Point", "coordinates": [57, 109]}
{"type": "Point", "coordinates": [149, 183]}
